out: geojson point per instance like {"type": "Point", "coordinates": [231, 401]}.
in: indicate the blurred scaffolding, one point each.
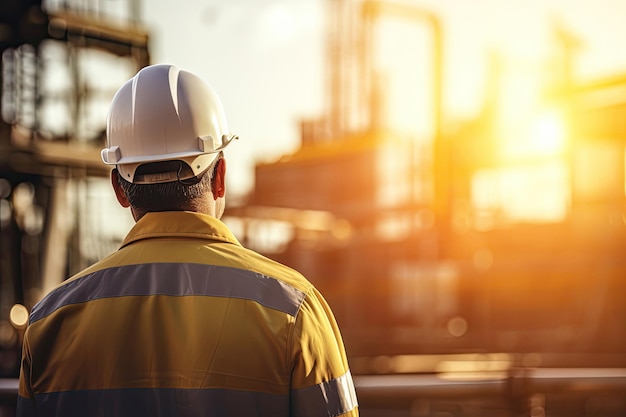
{"type": "Point", "coordinates": [61, 64]}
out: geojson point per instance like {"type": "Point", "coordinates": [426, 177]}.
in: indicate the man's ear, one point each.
{"type": "Point", "coordinates": [119, 192]}
{"type": "Point", "coordinates": [218, 185]}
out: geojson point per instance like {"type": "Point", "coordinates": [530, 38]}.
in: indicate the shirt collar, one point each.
{"type": "Point", "coordinates": [180, 224]}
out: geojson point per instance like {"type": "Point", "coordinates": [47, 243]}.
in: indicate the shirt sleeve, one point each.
{"type": "Point", "coordinates": [321, 382]}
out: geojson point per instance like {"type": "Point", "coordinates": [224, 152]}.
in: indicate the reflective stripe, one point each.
{"type": "Point", "coordinates": [155, 402]}
{"type": "Point", "coordinates": [331, 398]}
{"type": "Point", "coordinates": [174, 279]}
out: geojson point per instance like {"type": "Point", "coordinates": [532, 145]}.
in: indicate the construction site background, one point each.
{"type": "Point", "coordinates": [480, 260]}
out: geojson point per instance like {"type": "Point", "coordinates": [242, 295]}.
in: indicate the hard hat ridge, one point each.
{"type": "Point", "coordinates": [162, 114]}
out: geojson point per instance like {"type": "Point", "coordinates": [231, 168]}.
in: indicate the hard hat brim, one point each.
{"type": "Point", "coordinates": [198, 164]}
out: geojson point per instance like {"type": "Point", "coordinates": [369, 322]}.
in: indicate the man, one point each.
{"type": "Point", "coordinates": [181, 320]}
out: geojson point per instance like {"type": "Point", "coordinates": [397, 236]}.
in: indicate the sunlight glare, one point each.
{"type": "Point", "coordinates": [542, 136]}
{"type": "Point", "coordinates": [547, 135]}
{"type": "Point", "coordinates": [536, 193]}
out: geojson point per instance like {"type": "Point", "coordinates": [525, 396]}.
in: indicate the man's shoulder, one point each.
{"type": "Point", "coordinates": [272, 268]}
{"type": "Point", "coordinates": [60, 293]}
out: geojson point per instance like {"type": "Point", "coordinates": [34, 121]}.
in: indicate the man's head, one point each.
{"type": "Point", "coordinates": [166, 130]}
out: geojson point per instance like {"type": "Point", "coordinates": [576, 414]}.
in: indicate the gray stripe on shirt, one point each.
{"type": "Point", "coordinates": [173, 279]}
{"type": "Point", "coordinates": [332, 398]}
{"type": "Point", "coordinates": [157, 402]}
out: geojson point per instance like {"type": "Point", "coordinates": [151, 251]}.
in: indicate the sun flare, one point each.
{"type": "Point", "coordinates": [547, 135]}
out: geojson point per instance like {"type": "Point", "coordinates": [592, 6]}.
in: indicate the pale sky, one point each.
{"type": "Point", "coordinates": [265, 58]}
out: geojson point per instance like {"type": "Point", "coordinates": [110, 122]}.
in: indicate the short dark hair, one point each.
{"type": "Point", "coordinates": [175, 195]}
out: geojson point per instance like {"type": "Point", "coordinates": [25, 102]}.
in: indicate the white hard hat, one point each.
{"type": "Point", "coordinates": [163, 114]}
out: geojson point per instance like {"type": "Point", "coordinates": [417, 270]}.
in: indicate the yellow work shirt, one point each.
{"type": "Point", "coordinates": [184, 321]}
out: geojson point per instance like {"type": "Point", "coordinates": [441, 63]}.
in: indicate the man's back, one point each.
{"type": "Point", "coordinates": [183, 321]}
